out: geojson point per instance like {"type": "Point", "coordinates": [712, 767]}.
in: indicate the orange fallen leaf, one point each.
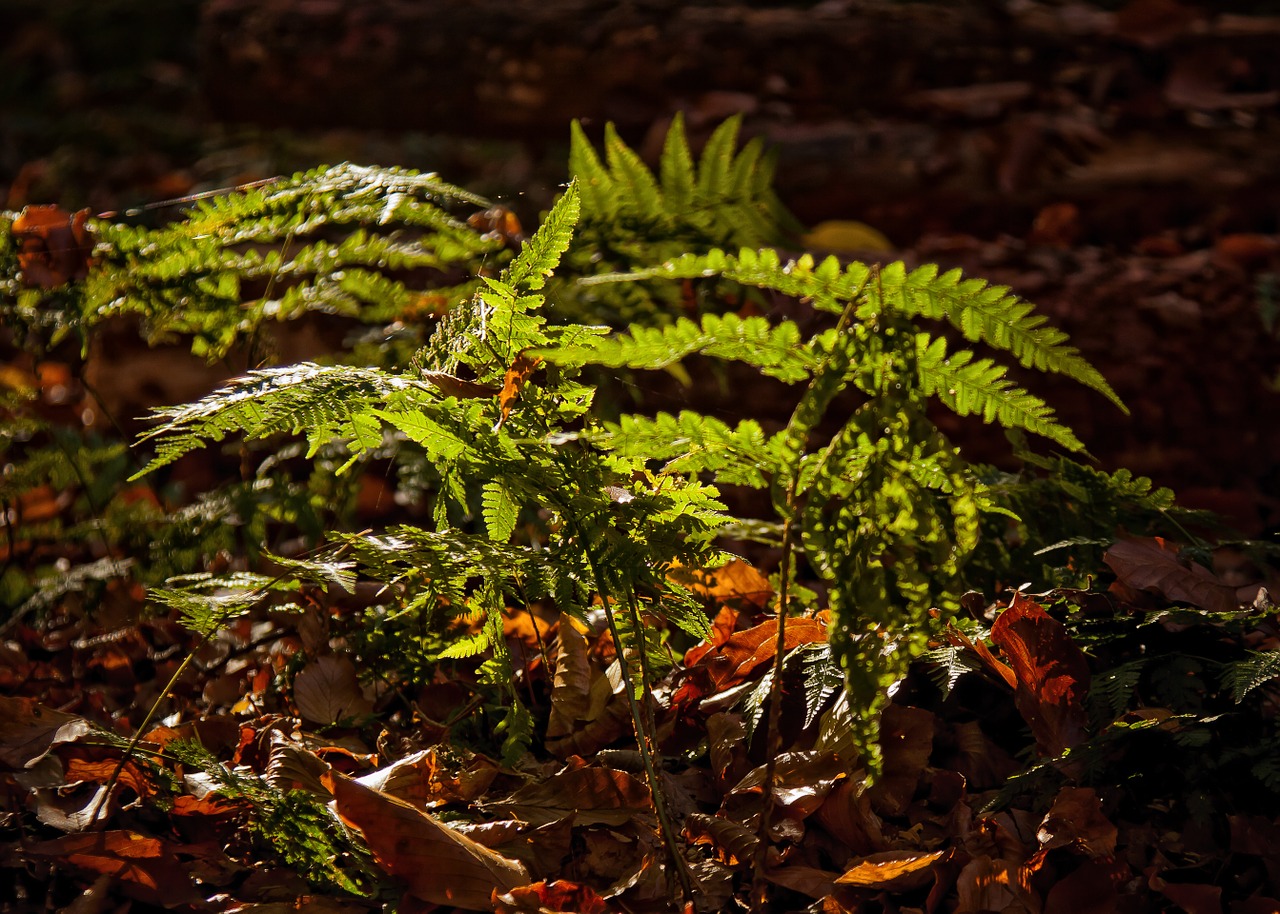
{"type": "Point", "coordinates": [589, 793]}
{"type": "Point", "coordinates": [54, 246]}
{"type": "Point", "coordinates": [327, 691]}
{"type": "Point", "coordinates": [558, 895]}
{"type": "Point", "coordinates": [435, 863]}
{"type": "Point", "coordinates": [892, 870]}
{"type": "Point", "coordinates": [1076, 820]}
{"type": "Point", "coordinates": [735, 583]}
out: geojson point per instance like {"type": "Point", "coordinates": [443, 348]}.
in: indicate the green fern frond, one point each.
{"type": "Point", "coordinates": [693, 443]}
{"type": "Point", "coordinates": [980, 387]}
{"type": "Point", "coordinates": [500, 512]}
{"type": "Point", "coordinates": [1243, 676]}
{"type": "Point", "coordinates": [306, 398]}
{"type": "Point", "coordinates": [776, 349]}
{"type": "Point", "coordinates": [986, 313]}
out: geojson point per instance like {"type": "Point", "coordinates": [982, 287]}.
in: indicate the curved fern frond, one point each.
{"type": "Point", "coordinates": [979, 387]}
{"type": "Point", "coordinates": [989, 314]}
{"type": "Point", "coordinates": [1243, 676]}
{"type": "Point", "coordinates": [317, 400]}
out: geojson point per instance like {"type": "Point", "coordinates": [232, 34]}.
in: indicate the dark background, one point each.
{"type": "Point", "coordinates": [1116, 163]}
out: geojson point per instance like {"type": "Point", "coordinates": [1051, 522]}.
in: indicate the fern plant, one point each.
{"type": "Point", "coordinates": [532, 493]}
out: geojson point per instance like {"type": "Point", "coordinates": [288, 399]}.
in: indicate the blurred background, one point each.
{"type": "Point", "coordinates": [1116, 163]}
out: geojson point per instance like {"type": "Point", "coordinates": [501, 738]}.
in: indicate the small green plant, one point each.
{"type": "Point", "coordinates": [531, 489]}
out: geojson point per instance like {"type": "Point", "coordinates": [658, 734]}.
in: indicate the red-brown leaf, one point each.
{"type": "Point", "coordinates": [145, 868]}
{"type": "Point", "coordinates": [1152, 564]}
{"type": "Point", "coordinates": [745, 651]}
{"type": "Point", "coordinates": [1052, 674]}
{"type": "Point", "coordinates": [327, 691]}
{"type": "Point", "coordinates": [589, 793]}
{"type": "Point", "coordinates": [513, 382]}
{"type": "Point", "coordinates": [559, 895]}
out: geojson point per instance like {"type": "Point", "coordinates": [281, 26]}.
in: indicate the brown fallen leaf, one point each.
{"type": "Point", "coordinates": [732, 841]}
{"type": "Point", "coordinates": [28, 729]}
{"type": "Point", "coordinates": [459, 387]}
{"type": "Point", "coordinates": [1075, 820]}
{"type": "Point", "coordinates": [54, 246]}
{"type": "Point", "coordinates": [327, 691]}
{"type": "Point", "coordinates": [592, 794]}
{"type": "Point", "coordinates": [425, 779]}
{"type": "Point", "coordinates": [435, 863]}
{"type": "Point", "coordinates": [746, 651]}
{"type": "Point", "coordinates": [1052, 673]}
{"type": "Point", "coordinates": [1091, 888]}
{"type": "Point", "coordinates": [906, 741]}
{"type": "Point", "coordinates": [1152, 564]}
{"type": "Point", "coordinates": [736, 583]}
{"type": "Point", "coordinates": [145, 868]}
{"type": "Point", "coordinates": [807, 880]}
{"type": "Point", "coordinates": [558, 895]}
{"type": "Point", "coordinates": [987, 884]}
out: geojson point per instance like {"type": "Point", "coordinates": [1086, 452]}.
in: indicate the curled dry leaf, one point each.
{"type": "Point", "coordinates": [906, 741]}
{"type": "Point", "coordinates": [28, 729]}
{"type": "Point", "coordinates": [987, 884]}
{"type": "Point", "coordinates": [572, 684]}
{"type": "Point", "coordinates": [435, 863]}
{"type": "Point", "coordinates": [1092, 888]}
{"type": "Point", "coordinates": [1152, 564]}
{"type": "Point", "coordinates": [1052, 674]}
{"type": "Point", "coordinates": [326, 691]}
{"type": "Point", "coordinates": [746, 651]}
{"type": "Point", "coordinates": [732, 841]}
{"type": "Point", "coordinates": [737, 584]}
{"type": "Point", "coordinates": [513, 382]}
{"type": "Point", "coordinates": [425, 780]}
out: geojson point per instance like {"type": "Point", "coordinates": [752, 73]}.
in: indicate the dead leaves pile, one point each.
{"type": "Point", "coordinates": [1017, 791]}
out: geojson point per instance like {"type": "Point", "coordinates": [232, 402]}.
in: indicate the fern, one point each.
{"type": "Point", "coordinates": [1244, 676]}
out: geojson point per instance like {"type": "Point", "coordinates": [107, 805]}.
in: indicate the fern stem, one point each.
{"type": "Point", "coordinates": [772, 738]}
{"type": "Point", "coordinates": [644, 740]}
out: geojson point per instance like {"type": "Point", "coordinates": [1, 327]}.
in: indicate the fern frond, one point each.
{"type": "Point", "coordinates": [980, 387]}
{"type": "Point", "coordinates": [500, 512]}
{"type": "Point", "coordinates": [986, 313]}
{"type": "Point", "coordinates": [306, 398]}
{"type": "Point", "coordinates": [693, 443]}
{"type": "Point", "coordinates": [1243, 676]}
{"type": "Point", "coordinates": [776, 349]}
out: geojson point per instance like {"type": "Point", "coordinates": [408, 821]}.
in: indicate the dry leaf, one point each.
{"type": "Point", "coordinates": [326, 691]}
{"type": "Point", "coordinates": [1091, 888]}
{"type": "Point", "coordinates": [906, 741]}
{"type": "Point", "coordinates": [591, 794]}
{"type": "Point", "coordinates": [144, 868]}
{"type": "Point", "coordinates": [1076, 820]}
{"type": "Point", "coordinates": [733, 842]}
{"type": "Point", "coordinates": [513, 382]}
{"type": "Point", "coordinates": [735, 583]}
{"type": "Point", "coordinates": [459, 387]}
{"type": "Point", "coordinates": [1052, 674]}
{"type": "Point", "coordinates": [435, 863]}
{"type": "Point", "coordinates": [893, 870]}
{"type": "Point", "coordinates": [1152, 564]}
{"type": "Point", "coordinates": [558, 895]}
{"type": "Point", "coordinates": [28, 729]}
{"type": "Point", "coordinates": [54, 246]}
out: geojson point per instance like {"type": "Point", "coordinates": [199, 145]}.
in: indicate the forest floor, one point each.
{"type": "Point", "coordinates": [1136, 201]}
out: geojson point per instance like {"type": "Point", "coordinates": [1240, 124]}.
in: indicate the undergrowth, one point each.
{"type": "Point", "coordinates": [468, 381]}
